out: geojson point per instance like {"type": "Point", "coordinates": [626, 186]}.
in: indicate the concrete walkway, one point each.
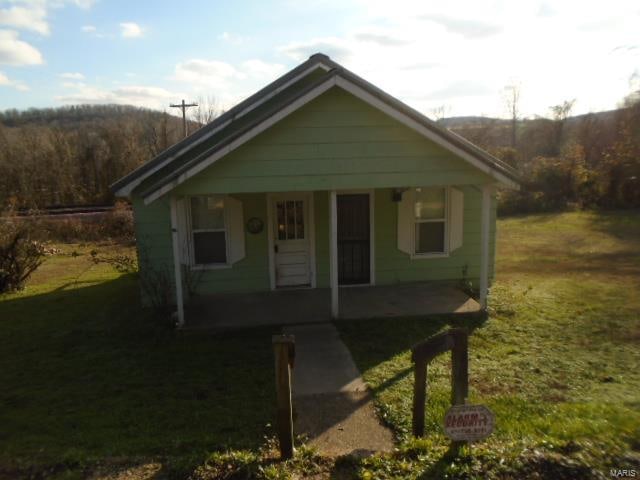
{"type": "Point", "coordinates": [331, 403]}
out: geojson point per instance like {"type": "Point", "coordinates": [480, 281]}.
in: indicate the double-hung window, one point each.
{"type": "Point", "coordinates": [430, 220]}
{"type": "Point", "coordinates": [208, 230]}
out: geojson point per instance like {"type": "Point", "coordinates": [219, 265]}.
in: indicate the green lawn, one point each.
{"type": "Point", "coordinates": [557, 359]}
{"type": "Point", "coordinates": [86, 376]}
{"type": "Point", "coordinates": [89, 383]}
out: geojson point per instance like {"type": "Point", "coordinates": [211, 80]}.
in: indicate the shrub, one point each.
{"type": "Point", "coordinates": [20, 256]}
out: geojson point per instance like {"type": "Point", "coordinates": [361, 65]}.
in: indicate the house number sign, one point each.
{"type": "Point", "coordinates": [468, 423]}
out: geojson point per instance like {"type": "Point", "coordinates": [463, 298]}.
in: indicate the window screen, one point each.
{"type": "Point", "coordinates": [430, 220]}
{"type": "Point", "coordinates": [208, 230]}
{"type": "Point", "coordinates": [209, 247]}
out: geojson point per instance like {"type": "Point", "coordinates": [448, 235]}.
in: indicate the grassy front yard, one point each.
{"type": "Point", "coordinates": [90, 385]}
{"type": "Point", "coordinates": [558, 359]}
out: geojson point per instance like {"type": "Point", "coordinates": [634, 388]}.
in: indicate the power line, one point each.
{"type": "Point", "coordinates": [183, 106]}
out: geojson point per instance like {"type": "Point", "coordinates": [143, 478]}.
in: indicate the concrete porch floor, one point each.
{"type": "Point", "coordinates": [306, 306]}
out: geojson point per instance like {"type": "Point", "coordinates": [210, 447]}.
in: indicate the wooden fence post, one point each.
{"type": "Point", "coordinates": [419, 397]}
{"type": "Point", "coordinates": [422, 353]}
{"type": "Point", "coordinates": [283, 348]}
{"type": "Point", "coordinates": [459, 368]}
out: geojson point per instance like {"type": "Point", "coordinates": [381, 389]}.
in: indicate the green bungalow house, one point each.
{"type": "Point", "coordinates": [318, 181]}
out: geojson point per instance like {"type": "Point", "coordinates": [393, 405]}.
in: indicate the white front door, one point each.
{"type": "Point", "coordinates": [292, 240]}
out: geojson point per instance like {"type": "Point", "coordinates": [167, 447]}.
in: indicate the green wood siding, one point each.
{"type": "Point", "coordinates": [155, 251]}
{"type": "Point", "coordinates": [252, 272]}
{"type": "Point", "coordinates": [394, 266]}
{"type": "Point", "coordinates": [335, 141]}
{"type": "Point", "coordinates": [153, 241]}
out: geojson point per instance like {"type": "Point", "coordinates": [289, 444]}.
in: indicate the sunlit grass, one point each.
{"type": "Point", "coordinates": [557, 360]}
{"type": "Point", "coordinates": [90, 383]}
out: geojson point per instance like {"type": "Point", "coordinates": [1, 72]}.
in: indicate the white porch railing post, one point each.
{"type": "Point", "coordinates": [485, 219]}
{"type": "Point", "coordinates": [333, 254]}
{"type": "Point", "coordinates": [177, 268]}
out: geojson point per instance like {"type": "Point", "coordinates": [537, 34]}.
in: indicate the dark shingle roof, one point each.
{"type": "Point", "coordinates": [178, 159]}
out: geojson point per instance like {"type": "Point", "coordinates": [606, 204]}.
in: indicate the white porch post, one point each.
{"type": "Point", "coordinates": [333, 253]}
{"type": "Point", "coordinates": [176, 260]}
{"type": "Point", "coordinates": [485, 219]}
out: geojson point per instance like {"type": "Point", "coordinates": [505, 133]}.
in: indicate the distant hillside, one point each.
{"type": "Point", "coordinates": [87, 146]}
{"type": "Point", "coordinates": [75, 115]}
{"type": "Point", "coordinates": [70, 155]}
{"type": "Point", "coordinates": [475, 121]}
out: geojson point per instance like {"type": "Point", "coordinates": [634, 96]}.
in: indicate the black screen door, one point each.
{"type": "Point", "coordinates": [353, 239]}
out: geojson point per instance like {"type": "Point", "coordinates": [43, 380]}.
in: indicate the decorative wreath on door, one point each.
{"type": "Point", "coordinates": [255, 225]}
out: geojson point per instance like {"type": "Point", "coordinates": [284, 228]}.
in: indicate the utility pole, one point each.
{"type": "Point", "coordinates": [183, 106]}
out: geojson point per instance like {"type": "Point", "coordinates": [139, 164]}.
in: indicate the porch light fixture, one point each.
{"type": "Point", "coordinates": [397, 194]}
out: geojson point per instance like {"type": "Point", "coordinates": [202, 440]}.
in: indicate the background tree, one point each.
{"type": "Point", "coordinates": [512, 101]}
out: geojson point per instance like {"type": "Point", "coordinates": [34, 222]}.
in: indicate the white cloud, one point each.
{"type": "Point", "coordinates": [469, 28]}
{"type": "Point", "coordinates": [7, 82]}
{"type": "Point", "coordinates": [31, 18]}
{"type": "Point", "coordinates": [131, 30]}
{"type": "Point", "coordinates": [88, 28]}
{"type": "Point", "coordinates": [137, 95]}
{"type": "Point", "coordinates": [73, 84]}
{"type": "Point", "coordinates": [232, 38]}
{"type": "Point", "coordinates": [259, 69]}
{"type": "Point", "coordinates": [211, 73]}
{"type": "Point", "coordinates": [31, 15]}
{"type": "Point", "coordinates": [461, 54]}
{"type": "Point", "coordinates": [381, 37]}
{"type": "Point", "coordinates": [72, 76]}
{"type": "Point", "coordinates": [85, 4]}
{"type": "Point", "coordinates": [225, 82]}
{"type": "Point", "coordinates": [337, 48]}
{"type": "Point", "coordinates": [14, 51]}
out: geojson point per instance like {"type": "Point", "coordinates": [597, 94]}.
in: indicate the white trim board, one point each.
{"type": "Point", "coordinates": [311, 95]}
{"type": "Point", "coordinates": [177, 265]}
{"type": "Point", "coordinates": [126, 190]}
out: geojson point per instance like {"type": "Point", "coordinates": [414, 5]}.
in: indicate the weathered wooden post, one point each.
{"type": "Point", "coordinates": [455, 340]}
{"type": "Point", "coordinates": [419, 398]}
{"type": "Point", "coordinates": [459, 375]}
{"type": "Point", "coordinates": [459, 367]}
{"type": "Point", "coordinates": [284, 350]}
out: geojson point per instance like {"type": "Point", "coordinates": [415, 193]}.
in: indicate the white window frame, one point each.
{"type": "Point", "coordinates": [415, 221]}
{"type": "Point", "coordinates": [192, 247]}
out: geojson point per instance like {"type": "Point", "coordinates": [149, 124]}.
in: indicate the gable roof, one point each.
{"type": "Point", "coordinates": [272, 103]}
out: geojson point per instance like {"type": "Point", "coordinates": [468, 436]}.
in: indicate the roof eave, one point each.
{"type": "Point", "coordinates": [125, 186]}
{"type": "Point", "coordinates": [477, 157]}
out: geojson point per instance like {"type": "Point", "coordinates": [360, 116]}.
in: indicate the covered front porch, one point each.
{"type": "Point", "coordinates": [347, 253]}
{"type": "Point", "coordinates": [313, 305]}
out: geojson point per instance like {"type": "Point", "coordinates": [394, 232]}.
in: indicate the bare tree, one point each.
{"type": "Point", "coordinates": [441, 112]}
{"type": "Point", "coordinates": [560, 114]}
{"type": "Point", "coordinates": [207, 110]}
{"type": "Point", "coordinates": [512, 101]}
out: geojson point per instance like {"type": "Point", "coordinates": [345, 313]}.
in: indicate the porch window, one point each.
{"type": "Point", "coordinates": [208, 230]}
{"type": "Point", "coordinates": [430, 220]}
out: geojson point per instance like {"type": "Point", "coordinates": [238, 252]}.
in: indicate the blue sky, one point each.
{"type": "Point", "coordinates": [457, 57]}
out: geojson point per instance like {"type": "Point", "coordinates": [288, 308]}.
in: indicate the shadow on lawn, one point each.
{"type": "Point", "coordinates": [373, 342]}
{"type": "Point", "coordinates": [87, 374]}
